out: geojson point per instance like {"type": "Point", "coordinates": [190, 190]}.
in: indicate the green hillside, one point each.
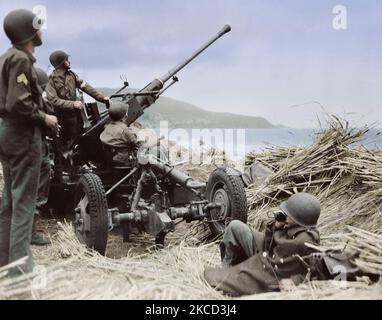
{"type": "Point", "coordinates": [181, 114]}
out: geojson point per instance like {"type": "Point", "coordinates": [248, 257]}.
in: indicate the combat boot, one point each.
{"type": "Point", "coordinates": [37, 239]}
{"type": "Point", "coordinates": [227, 254]}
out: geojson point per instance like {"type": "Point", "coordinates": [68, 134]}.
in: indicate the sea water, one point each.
{"type": "Point", "coordinates": [256, 140]}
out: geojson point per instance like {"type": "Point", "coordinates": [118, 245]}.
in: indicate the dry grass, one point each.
{"type": "Point", "coordinates": [347, 179]}
{"type": "Point", "coordinates": [73, 272]}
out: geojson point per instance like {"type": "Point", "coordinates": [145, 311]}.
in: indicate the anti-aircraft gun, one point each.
{"type": "Point", "coordinates": [139, 101]}
{"type": "Point", "coordinates": [145, 193]}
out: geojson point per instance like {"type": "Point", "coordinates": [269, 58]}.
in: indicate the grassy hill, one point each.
{"type": "Point", "coordinates": [181, 114]}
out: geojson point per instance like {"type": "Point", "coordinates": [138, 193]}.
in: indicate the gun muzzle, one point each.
{"type": "Point", "coordinates": [168, 75]}
{"type": "Point", "coordinates": [226, 29]}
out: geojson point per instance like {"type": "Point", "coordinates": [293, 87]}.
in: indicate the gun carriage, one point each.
{"type": "Point", "coordinates": [146, 193]}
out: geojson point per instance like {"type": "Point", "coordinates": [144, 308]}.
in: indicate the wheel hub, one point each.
{"type": "Point", "coordinates": [82, 215]}
{"type": "Point", "coordinates": [221, 197]}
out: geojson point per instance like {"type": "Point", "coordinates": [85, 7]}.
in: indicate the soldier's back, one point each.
{"type": "Point", "coordinates": [9, 57]}
{"type": "Point", "coordinates": [7, 60]}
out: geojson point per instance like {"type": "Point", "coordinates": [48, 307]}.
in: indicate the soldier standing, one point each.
{"type": "Point", "coordinates": [61, 93]}
{"type": "Point", "coordinates": [20, 137]}
{"type": "Point", "coordinates": [44, 182]}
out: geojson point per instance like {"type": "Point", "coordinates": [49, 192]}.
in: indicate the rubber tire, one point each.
{"type": "Point", "coordinates": [234, 187]}
{"type": "Point", "coordinates": [91, 185]}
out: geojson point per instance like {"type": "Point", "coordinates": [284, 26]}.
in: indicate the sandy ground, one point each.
{"type": "Point", "coordinates": [116, 247]}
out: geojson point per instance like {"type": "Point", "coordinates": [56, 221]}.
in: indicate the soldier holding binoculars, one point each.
{"type": "Point", "coordinates": [255, 262]}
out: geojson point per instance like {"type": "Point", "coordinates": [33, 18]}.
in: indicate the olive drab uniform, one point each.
{"type": "Point", "coordinates": [45, 171]}
{"type": "Point", "coordinates": [61, 93]}
{"type": "Point", "coordinates": [44, 185]}
{"type": "Point", "coordinates": [118, 136]}
{"type": "Point", "coordinates": [44, 181]}
{"type": "Point", "coordinates": [258, 261]}
{"type": "Point", "coordinates": [20, 154]}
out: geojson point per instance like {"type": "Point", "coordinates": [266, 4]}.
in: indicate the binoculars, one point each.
{"type": "Point", "coordinates": [280, 216]}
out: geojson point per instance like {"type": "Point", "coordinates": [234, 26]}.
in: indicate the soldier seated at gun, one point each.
{"type": "Point", "coordinates": [118, 136]}
{"type": "Point", "coordinates": [123, 139]}
{"type": "Point", "coordinates": [254, 262]}
{"type": "Point", "coordinates": [124, 142]}
{"type": "Point", "coordinates": [61, 93]}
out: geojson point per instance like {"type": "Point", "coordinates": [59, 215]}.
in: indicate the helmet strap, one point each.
{"type": "Point", "coordinates": [37, 40]}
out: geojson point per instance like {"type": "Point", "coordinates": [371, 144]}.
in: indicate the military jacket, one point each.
{"type": "Point", "coordinates": [61, 90]}
{"type": "Point", "coordinates": [263, 271]}
{"type": "Point", "coordinates": [118, 135]}
{"type": "Point", "coordinates": [20, 94]}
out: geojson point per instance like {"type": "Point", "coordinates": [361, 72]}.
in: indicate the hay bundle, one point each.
{"type": "Point", "coordinates": [346, 179]}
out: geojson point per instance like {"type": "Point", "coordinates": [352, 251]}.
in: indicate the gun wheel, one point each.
{"type": "Point", "coordinates": [227, 190]}
{"type": "Point", "coordinates": [91, 220]}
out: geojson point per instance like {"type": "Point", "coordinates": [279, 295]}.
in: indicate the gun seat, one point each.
{"type": "Point", "coordinates": [111, 162]}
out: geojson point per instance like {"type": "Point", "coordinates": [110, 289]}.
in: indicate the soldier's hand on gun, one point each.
{"type": "Point", "coordinates": [51, 122]}
{"type": "Point", "coordinates": [78, 104]}
{"type": "Point", "coordinates": [106, 100]}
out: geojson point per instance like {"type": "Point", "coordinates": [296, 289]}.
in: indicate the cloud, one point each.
{"type": "Point", "coordinates": [278, 54]}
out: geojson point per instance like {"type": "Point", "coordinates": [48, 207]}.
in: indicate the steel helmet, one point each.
{"type": "Point", "coordinates": [118, 110]}
{"type": "Point", "coordinates": [21, 26]}
{"type": "Point", "coordinates": [302, 208]}
{"type": "Point", "coordinates": [57, 58]}
{"type": "Point", "coordinates": [42, 78]}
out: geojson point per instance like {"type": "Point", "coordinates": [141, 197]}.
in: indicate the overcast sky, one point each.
{"type": "Point", "coordinates": [280, 56]}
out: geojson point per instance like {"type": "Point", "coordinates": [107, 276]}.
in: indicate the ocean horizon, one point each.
{"type": "Point", "coordinates": [257, 140]}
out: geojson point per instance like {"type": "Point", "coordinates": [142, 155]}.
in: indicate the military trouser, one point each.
{"type": "Point", "coordinates": [44, 182]}
{"type": "Point", "coordinates": [70, 128]}
{"type": "Point", "coordinates": [239, 243]}
{"type": "Point", "coordinates": [20, 154]}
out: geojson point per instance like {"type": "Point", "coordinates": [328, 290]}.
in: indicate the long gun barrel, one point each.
{"type": "Point", "coordinates": [181, 65]}
{"type": "Point", "coordinates": [150, 93]}
{"type": "Point", "coordinates": [157, 84]}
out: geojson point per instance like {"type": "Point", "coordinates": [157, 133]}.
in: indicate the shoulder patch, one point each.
{"type": "Point", "coordinates": [22, 78]}
{"type": "Point", "coordinates": [83, 84]}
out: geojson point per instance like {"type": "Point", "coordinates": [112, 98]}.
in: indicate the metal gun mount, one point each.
{"type": "Point", "coordinates": [141, 193]}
